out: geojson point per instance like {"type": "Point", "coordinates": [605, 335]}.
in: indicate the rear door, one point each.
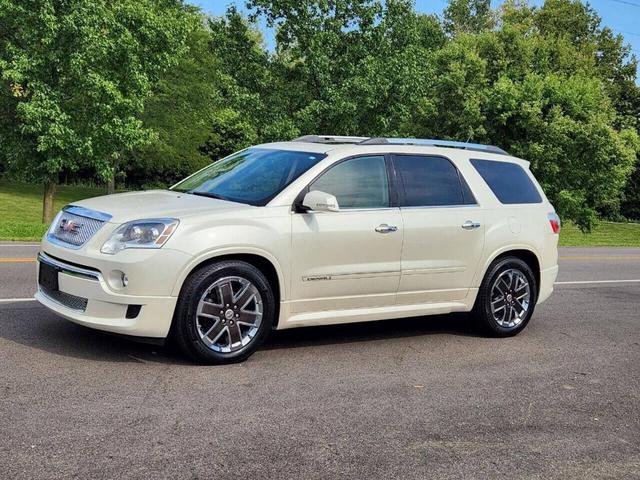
{"type": "Point", "coordinates": [443, 230]}
{"type": "Point", "coordinates": [350, 258]}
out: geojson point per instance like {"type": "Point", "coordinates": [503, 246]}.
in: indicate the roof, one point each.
{"type": "Point", "coordinates": [346, 145]}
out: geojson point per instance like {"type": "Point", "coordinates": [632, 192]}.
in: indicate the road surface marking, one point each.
{"type": "Point", "coordinates": [17, 259]}
{"type": "Point", "coordinates": [19, 245]}
{"type": "Point", "coordinates": [14, 300]}
{"type": "Point", "coordinates": [586, 282]}
{"type": "Point", "coordinates": [599, 257]}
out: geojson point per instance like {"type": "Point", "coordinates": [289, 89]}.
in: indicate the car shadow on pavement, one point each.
{"type": "Point", "coordinates": [35, 327]}
{"type": "Point", "coordinates": [451, 324]}
{"type": "Point", "coordinates": [32, 326]}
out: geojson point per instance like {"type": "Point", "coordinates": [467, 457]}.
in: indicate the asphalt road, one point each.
{"type": "Point", "coordinates": [410, 398]}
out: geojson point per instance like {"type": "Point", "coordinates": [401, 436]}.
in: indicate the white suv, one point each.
{"type": "Point", "coordinates": [316, 231]}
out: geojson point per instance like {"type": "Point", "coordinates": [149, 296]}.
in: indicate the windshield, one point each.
{"type": "Point", "coordinates": [252, 176]}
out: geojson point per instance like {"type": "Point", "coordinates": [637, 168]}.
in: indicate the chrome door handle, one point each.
{"type": "Point", "coordinates": [469, 225]}
{"type": "Point", "coordinates": [384, 228]}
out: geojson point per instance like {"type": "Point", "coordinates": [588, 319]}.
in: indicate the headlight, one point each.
{"type": "Point", "coordinates": [149, 233]}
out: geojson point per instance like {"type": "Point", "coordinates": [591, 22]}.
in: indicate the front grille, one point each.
{"type": "Point", "coordinates": [66, 299]}
{"type": "Point", "coordinates": [76, 225]}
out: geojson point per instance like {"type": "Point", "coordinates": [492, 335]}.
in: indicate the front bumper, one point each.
{"type": "Point", "coordinates": [88, 291]}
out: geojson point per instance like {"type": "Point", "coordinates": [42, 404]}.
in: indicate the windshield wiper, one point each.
{"type": "Point", "coordinates": [208, 194]}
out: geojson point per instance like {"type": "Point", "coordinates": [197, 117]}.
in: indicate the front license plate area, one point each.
{"type": "Point", "coordinates": [48, 277]}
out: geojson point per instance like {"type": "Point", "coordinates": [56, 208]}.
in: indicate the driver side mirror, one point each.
{"type": "Point", "coordinates": [318, 201]}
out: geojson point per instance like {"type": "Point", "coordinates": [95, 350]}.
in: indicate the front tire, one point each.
{"type": "Point", "coordinates": [224, 312]}
{"type": "Point", "coordinates": [506, 298]}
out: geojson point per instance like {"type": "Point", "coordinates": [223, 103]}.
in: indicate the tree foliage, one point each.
{"type": "Point", "coordinates": [84, 85]}
{"type": "Point", "coordinates": [75, 75]}
{"type": "Point", "coordinates": [182, 109]}
{"type": "Point", "coordinates": [549, 84]}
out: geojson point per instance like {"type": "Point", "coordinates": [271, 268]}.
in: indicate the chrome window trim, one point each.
{"type": "Point", "coordinates": [415, 207]}
{"type": "Point", "coordinates": [347, 209]}
{"type": "Point", "coordinates": [69, 269]}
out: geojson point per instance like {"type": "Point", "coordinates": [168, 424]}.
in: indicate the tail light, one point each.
{"type": "Point", "coordinates": [554, 220]}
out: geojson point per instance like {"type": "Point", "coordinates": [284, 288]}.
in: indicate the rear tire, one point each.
{"type": "Point", "coordinates": [224, 312]}
{"type": "Point", "coordinates": [506, 298]}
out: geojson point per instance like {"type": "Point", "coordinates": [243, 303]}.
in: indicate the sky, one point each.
{"type": "Point", "coordinates": [622, 16]}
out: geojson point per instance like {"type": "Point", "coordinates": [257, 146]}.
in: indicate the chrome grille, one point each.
{"type": "Point", "coordinates": [66, 299]}
{"type": "Point", "coordinates": [75, 225]}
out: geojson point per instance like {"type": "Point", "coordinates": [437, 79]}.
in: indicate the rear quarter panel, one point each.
{"type": "Point", "coordinates": [511, 227]}
{"type": "Point", "coordinates": [518, 228]}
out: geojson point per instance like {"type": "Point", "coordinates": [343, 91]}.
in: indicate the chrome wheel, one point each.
{"type": "Point", "coordinates": [229, 314]}
{"type": "Point", "coordinates": [510, 298]}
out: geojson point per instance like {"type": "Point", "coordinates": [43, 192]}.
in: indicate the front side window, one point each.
{"type": "Point", "coordinates": [357, 183]}
{"type": "Point", "coordinates": [253, 176]}
{"type": "Point", "coordinates": [431, 182]}
{"type": "Point", "coordinates": [508, 181]}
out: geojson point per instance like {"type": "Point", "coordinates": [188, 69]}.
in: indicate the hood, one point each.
{"type": "Point", "coordinates": [124, 207]}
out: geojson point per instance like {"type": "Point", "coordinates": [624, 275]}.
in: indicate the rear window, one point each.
{"type": "Point", "coordinates": [508, 181]}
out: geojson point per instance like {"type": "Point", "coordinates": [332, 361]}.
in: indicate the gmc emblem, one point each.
{"type": "Point", "coordinates": [69, 226]}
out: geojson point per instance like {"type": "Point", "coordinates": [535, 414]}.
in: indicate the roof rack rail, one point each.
{"type": "Point", "coordinates": [342, 139]}
{"type": "Point", "coordinates": [329, 139]}
{"type": "Point", "coordinates": [434, 143]}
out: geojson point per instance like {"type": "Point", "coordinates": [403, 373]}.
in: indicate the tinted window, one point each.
{"type": "Point", "coordinates": [430, 181]}
{"type": "Point", "coordinates": [252, 176]}
{"type": "Point", "coordinates": [508, 181]}
{"type": "Point", "coordinates": [469, 199]}
{"type": "Point", "coordinates": [357, 183]}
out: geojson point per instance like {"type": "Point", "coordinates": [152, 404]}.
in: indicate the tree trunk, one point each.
{"type": "Point", "coordinates": [111, 184]}
{"type": "Point", "coordinates": [49, 196]}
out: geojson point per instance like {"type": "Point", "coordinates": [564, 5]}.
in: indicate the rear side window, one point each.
{"type": "Point", "coordinates": [508, 181]}
{"type": "Point", "coordinates": [431, 181]}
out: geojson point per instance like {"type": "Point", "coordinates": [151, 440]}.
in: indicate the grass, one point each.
{"type": "Point", "coordinates": [605, 234]}
{"type": "Point", "coordinates": [21, 211]}
{"type": "Point", "coordinates": [21, 208]}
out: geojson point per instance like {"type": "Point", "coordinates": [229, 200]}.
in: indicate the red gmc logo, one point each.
{"type": "Point", "coordinates": [69, 226]}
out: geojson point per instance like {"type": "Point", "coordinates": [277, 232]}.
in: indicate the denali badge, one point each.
{"type": "Point", "coordinates": [69, 226]}
{"type": "Point", "coordinates": [318, 277]}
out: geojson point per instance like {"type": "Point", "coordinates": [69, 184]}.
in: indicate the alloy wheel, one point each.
{"type": "Point", "coordinates": [229, 314]}
{"type": "Point", "coordinates": [510, 298]}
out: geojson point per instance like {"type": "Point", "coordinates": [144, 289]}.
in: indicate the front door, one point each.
{"type": "Point", "coordinates": [351, 258]}
{"type": "Point", "coordinates": [443, 230]}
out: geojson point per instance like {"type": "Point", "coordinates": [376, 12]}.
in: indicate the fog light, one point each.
{"type": "Point", "coordinates": [133, 311]}
{"type": "Point", "coordinates": [125, 280]}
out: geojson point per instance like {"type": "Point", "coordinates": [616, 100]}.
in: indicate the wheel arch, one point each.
{"type": "Point", "coordinates": [261, 260]}
{"type": "Point", "coordinates": [524, 253]}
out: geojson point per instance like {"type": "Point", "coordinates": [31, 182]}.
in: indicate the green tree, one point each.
{"type": "Point", "coordinates": [353, 67]}
{"type": "Point", "coordinates": [78, 72]}
{"type": "Point", "coordinates": [185, 103]}
{"type": "Point", "coordinates": [631, 199]}
{"type": "Point", "coordinates": [468, 16]}
{"type": "Point", "coordinates": [253, 99]}
{"type": "Point", "coordinates": [549, 84]}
